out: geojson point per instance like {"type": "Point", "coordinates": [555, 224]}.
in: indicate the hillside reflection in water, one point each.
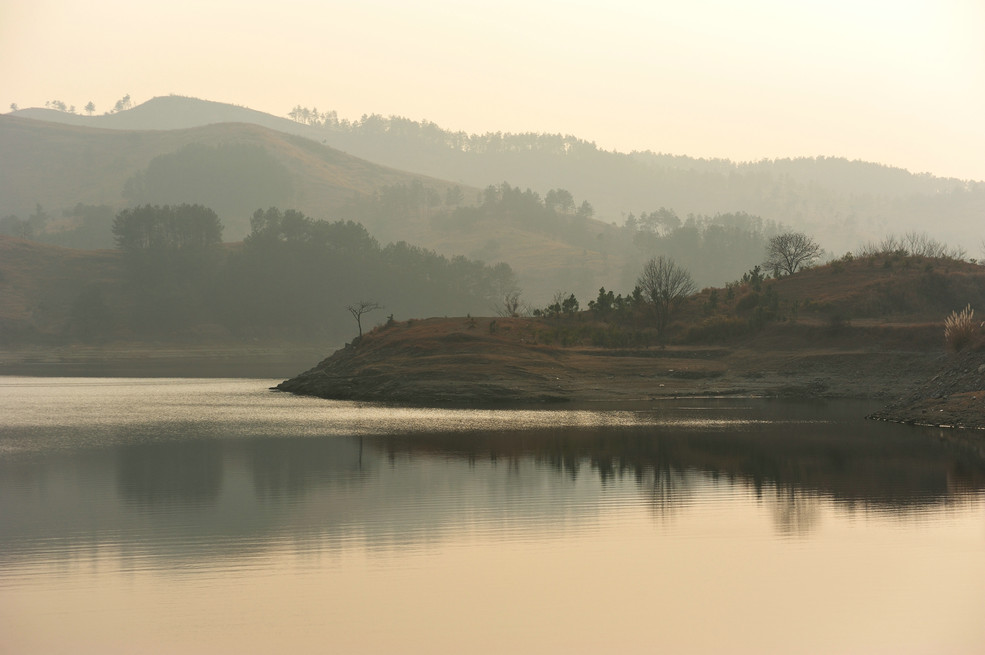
{"type": "Point", "coordinates": [214, 489]}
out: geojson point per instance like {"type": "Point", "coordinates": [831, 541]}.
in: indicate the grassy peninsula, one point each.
{"type": "Point", "coordinates": [859, 327]}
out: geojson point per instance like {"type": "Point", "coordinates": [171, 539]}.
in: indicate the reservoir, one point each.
{"type": "Point", "coordinates": [166, 515]}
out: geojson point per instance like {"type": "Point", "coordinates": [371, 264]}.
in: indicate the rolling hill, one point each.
{"type": "Point", "coordinates": [56, 166]}
{"type": "Point", "coordinates": [843, 203]}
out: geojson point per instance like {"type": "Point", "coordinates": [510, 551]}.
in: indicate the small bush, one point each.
{"type": "Point", "coordinates": [961, 329]}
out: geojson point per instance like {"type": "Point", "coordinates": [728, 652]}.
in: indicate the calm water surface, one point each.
{"type": "Point", "coordinates": [215, 516]}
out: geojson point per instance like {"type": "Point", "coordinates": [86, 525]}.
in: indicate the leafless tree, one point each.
{"type": "Point", "coordinates": [665, 285]}
{"type": "Point", "coordinates": [791, 251]}
{"type": "Point", "coordinates": [361, 308]}
{"type": "Point", "coordinates": [511, 305]}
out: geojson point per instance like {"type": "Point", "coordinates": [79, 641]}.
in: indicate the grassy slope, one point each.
{"type": "Point", "coordinates": [477, 361]}
{"type": "Point", "coordinates": [60, 165]}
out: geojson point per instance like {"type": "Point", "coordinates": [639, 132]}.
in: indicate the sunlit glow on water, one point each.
{"type": "Point", "coordinates": [202, 516]}
{"type": "Point", "coordinates": [107, 407]}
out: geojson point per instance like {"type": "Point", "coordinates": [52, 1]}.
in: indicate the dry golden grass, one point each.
{"type": "Point", "coordinates": [873, 290]}
{"type": "Point", "coordinates": [961, 329]}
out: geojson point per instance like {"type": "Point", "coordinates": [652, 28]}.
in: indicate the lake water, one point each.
{"type": "Point", "coordinates": [215, 516]}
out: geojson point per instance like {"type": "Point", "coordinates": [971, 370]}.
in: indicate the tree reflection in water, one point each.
{"type": "Point", "coordinates": [795, 513]}
{"type": "Point", "coordinates": [666, 491]}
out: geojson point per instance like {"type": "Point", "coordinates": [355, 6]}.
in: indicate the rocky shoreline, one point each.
{"type": "Point", "coordinates": [953, 398]}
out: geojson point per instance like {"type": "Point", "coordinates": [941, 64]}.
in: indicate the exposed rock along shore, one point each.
{"type": "Point", "coordinates": [954, 397]}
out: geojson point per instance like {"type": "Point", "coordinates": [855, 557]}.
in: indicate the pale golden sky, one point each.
{"type": "Point", "coordinates": [900, 82]}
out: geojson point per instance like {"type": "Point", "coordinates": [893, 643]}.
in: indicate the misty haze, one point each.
{"type": "Point", "coordinates": [549, 328]}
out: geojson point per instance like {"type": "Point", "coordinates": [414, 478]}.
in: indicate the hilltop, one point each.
{"type": "Point", "coordinates": [868, 327]}
{"type": "Point", "coordinates": [166, 113]}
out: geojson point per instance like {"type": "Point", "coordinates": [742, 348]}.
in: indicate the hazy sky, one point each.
{"type": "Point", "coordinates": [895, 81]}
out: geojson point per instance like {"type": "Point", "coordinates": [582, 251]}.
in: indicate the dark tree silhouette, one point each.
{"type": "Point", "coordinates": [167, 228]}
{"type": "Point", "coordinates": [361, 308]}
{"type": "Point", "coordinates": [790, 251]}
{"type": "Point", "coordinates": [665, 285]}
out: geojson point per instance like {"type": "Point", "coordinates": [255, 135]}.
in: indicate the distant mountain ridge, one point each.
{"type": "Point", "coordinates": [58, 165]}
{"type": "Point", "coordinates": [842, 202]}
{"type": "Point", "coordinates": [164, 113]}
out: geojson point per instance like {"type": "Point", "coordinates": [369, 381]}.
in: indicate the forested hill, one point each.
{"type": "Point", "coordinates": [293, 277]}
{"type": "Point", "coordinates": [233, 168]}
{"type": "Point", "coordinates": [63, 185]}
{"type": "Point", "coordinates": [841, 202]}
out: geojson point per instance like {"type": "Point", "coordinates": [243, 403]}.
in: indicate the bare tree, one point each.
{"type": "Point", "coordinates": [361, 308]}
{"type": "Point", "coordinates": [665, 285]}
{"type": "Point", "coordinates": [790, 251]}
{"type": "Point", "coordinates": [511, 305]}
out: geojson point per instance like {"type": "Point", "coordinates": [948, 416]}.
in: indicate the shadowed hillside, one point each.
{"type": "Point", "coordinates": [50, 290]}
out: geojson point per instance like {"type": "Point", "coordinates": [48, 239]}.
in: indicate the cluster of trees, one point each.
{"type": "Point", "coordinates": [122, 104]}
{"type": "Point", "coordinates": [172, 255]}
{"type": "Point", "coordinates": [407, 130]}
{"type": "Point", "coordinates": [293, 275]}
{"type": "Point", "coordinates": [399, 203]}
{"type": "Point", "coordinates": [555, 214]}
{"type": "Point", "coordinates": [713, 248]}
{"type": "Point", "coordinates": [663, 286]}
{"type": "Point", "coordinates": [167, 230]}
{"type": "Point", "coordinates": [30, 228]}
